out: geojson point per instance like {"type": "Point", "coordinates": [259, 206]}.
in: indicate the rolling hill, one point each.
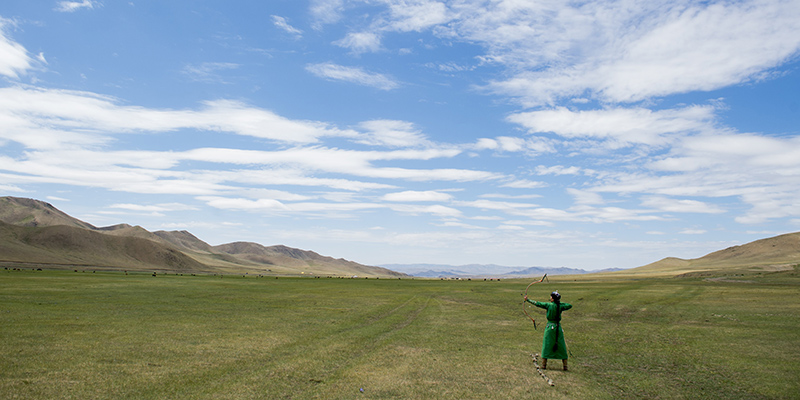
{"type": "Point", "coordinates": [771, 254]}
{"type": "Point", "coordinates": [34, 233]}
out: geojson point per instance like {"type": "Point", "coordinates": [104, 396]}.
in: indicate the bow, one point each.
{"type": "Point", "coordinates": [526, 298]}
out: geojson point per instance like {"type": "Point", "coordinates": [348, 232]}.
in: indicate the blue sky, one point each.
{"type": "Point", "coordinates": [551, 133]}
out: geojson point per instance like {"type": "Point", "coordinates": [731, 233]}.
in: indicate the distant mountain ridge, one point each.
{"type": "Point", "coordinates": [35, 232]}
{"type": "Point", "coordinates": [484, 270]}
{"type": "Point", "coordinates": [776, 253]}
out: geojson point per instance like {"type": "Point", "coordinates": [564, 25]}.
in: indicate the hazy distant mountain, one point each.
{"type": "Point", "coordinates": [439, 274]}
{"type": "Point", "coordinates": [437, 270]}
{"type": "Point", "coordinates": [771, 254]}
{"type": "Point", "coordinates": [539, 271]}
{"type": "Point", "coordinates": [35, 232]}
{"type": "Point", "coordinates": [479, 270]}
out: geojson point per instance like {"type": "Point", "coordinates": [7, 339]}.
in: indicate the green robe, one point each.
{"type": "Point", "coordinates": [553, 344]}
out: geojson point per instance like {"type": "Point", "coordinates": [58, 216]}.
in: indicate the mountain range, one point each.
{"type": "Point", "coordinates": [778, 253]}
{"type": "Point", "coordinates": [483, 270]}
{"type": "Point", "coordinates": [34, 233]}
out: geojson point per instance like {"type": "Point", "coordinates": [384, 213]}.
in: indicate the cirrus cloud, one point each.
{"type": "Point", "coordinates": [355, 75]}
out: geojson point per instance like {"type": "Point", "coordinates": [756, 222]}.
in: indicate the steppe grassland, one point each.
{"type": "Point", "coordinates": [116, 336]}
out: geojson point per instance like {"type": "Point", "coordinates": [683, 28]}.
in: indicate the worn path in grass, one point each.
{"type": "Point", "coordinates": [116, 336]}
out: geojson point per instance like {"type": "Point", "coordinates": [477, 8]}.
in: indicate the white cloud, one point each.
{"type": "Point", "coordinates": [413, 196]}
{"type": "Point", "coordinates": [280, 175]}
{"type": "Point", "coordinates": [530, 146]}
{"type": "Point", "coordinates": [536, 215]}
{"type": "Point", "coordinates": [693, 231]}
{"type": "Point", "coordinates": [626, 126]}
{"type": "Point", "coordinates": [41, 118]}
{"type": "Point", "coordinates": [759, 171]}
{"type": "Point", "coordinates": [353, 75]}
{"type": "Point", "coordinates": [680, 205]}
{"type": "Point", "coordinates": [558, 170]}
{"type": "Point", "coordinates": [208, 71]}
{"type": "Point", "coordinates": [506, 196]}
{"type": "Point", "coordinates": [437, 210]}
{"type": "Point", "coordinates": [401, 16]}
{"type": "Point", "coordinates": [621, 51]}
{"type": "Point", "coordinates": [351, 162]}
{"type": "Point", "coordinates": [585, 196]}
{"type": "Point", "coordinates": [360, 42]}
{"type": "Point", "coordinates": [511, 144]}
{"type": "Point", "coordinates": [704, 48]}
{"type": "Point", "coordinates": [496, 205]}
{"type": "Point", "coordinates": [243, 204]}
{"type": "Point", "coordinates": [391, 133]}
{"type": "Point", "coordinates": [520, 223]}
{"type": "Point", "coordinates": [277, 207]}
{"type": "Point", "coordinates": [282, 24]}
{"type": "Point", "coordinates": [614, 51]}
{"type": "Point", "coordinates": [72, 6]}
{"type": "Point", "coordinates": [154, 208]}
{"type": "Point", "coordinates": [14, 59]}
{"type": "Point", "coordinates": [54, 198]}
{"type": "Point", "coordinates": [524, 184]}
{"type": "Point", "coordinates": [281, 195]}
{"type": "Point", "coordinates": [511, 227]}
{"type": "Point", "coordinates": [416, 15]}
{"type": "Point", "coordinates": [69, 137]}
{"type": "Point", "coordinates": [326, 12]}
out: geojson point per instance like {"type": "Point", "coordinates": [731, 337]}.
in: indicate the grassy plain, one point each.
{"type": "Point", "coordinates": [114, 336]}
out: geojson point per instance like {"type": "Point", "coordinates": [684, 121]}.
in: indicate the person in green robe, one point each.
{"type": "Point", "coordinates": [553, 343]}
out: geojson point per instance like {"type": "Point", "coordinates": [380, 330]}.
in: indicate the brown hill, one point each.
{"type": "Point", "coordinates": [69, 246]}
{"type": "Point", "coordinates": [774, 253]}
{"type": "Point", "coordinates": [184, 240]}
{"type": "Point", "coordinates": [35, 232]}
{"type": "Point", "coordinates": [781, 249]}
{"type": "Point", "coordinates": [30, 212]}
{"type": "Point", "coordinates": [304, 260]}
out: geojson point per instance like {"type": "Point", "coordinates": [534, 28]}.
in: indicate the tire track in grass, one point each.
{"type": "Point", "coordinates": [338, 376]}
{"type": "Point", "coordinates": [301, 368]}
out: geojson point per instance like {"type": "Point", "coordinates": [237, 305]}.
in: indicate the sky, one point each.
{"type": "Point", "coordinates": [581, 134]}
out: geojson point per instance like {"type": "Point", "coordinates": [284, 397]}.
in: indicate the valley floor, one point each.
{"type": "Point", "coordinates": [114, 336]}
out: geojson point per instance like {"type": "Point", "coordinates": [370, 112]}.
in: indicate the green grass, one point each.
{"type": "Point", "coordinates": [114, 336]}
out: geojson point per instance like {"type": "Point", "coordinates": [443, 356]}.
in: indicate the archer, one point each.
{"type": "Point", "coordinates": [553, 343]}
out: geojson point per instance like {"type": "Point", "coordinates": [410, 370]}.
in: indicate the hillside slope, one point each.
{"type": "Point", "coordinates": [69, 246]}
{"type": "Point", "coordinates": [774, 253]}
{"type": "Point", "coordinates": [35, 232]}
{"type": "Point", "coordinates": [306, 261]}
{"type": "Point", "coordinates": [30, 212]}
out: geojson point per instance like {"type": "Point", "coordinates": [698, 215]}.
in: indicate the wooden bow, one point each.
{"type": "Point", "coordinates": [524, 300]}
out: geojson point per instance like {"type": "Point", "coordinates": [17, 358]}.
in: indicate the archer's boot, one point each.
{"type": "Point", "coordinates": [544, 363]}
{"type": "Point", "coordinates": [565, 365]}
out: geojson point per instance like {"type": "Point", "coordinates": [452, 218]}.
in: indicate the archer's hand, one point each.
{"type": "Point", "coordinates": [526, 298]}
